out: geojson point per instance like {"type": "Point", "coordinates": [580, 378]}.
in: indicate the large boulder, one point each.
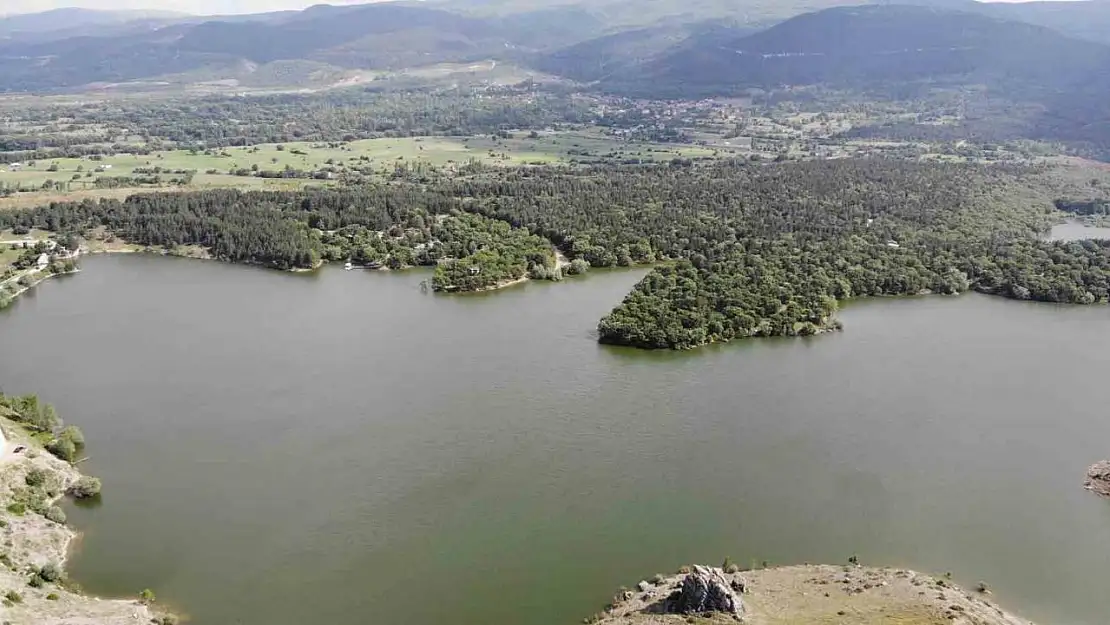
{"type": "Point", "coordinates": [705, 589]}
{"type": "Point", "coordinates": [1098, 478]}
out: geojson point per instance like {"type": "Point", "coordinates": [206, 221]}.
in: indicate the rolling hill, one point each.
{"type": "Point", "coordinates": [873, 47]}
{"type": "Point", "coordinates": [613, 56]}
{"type": "Point", "coordinates": [680, 48]}
{"type": "Point", "coordinates": [70, 18]}
{"type": "Point", "coordinates": [374, 36]}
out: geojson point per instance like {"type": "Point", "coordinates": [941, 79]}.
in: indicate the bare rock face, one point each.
{"type": "Point", "coordinates": [704, 590]}
{"type": "Point", "coordinates": [1098, 478]}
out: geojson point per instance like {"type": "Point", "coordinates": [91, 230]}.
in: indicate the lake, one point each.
{"type": "Point", "coordinates": [340, 448]}
{"type": "Point", "coordinates": [1076, 231]}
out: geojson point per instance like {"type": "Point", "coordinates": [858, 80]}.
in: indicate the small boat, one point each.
{"type": "Point", "coordinates": [348, 266]}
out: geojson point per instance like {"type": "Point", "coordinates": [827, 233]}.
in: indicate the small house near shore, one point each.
{"type": "Point", "coordinates": [43, 261]}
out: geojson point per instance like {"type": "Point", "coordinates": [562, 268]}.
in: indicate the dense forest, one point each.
{"type": "Point", "coordinates": [746, 249]}
{"type": "Point", "coordinates": [140, 126]}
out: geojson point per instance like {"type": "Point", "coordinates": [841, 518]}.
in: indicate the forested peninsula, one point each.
{"type": "Point", "coordinates": [739, 249]}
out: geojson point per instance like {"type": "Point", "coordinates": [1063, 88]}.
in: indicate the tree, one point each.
{"type": "Point", "coordinates": [73, 434]}
{"type": "Point", "coordinates": [578, 266]}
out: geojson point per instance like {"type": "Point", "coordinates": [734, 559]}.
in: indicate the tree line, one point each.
{"type": "Point", "coordinates": [747, 249]}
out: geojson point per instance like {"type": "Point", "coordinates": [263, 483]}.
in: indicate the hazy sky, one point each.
{"type": "Point", "coordinates": [201, 7]}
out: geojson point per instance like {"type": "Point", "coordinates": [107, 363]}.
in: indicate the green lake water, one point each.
{"type": "Point", "coordinates": [341, 448]}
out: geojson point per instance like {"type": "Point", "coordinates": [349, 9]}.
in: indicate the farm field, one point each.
{"type": "Point", "coordinates": [63, 179]}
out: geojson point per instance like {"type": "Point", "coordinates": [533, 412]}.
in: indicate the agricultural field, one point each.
{"type": "Point", "coordinates": [118, 175]}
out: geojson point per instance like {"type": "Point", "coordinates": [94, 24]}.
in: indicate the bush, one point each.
{"type": "Point", "coordinates": [55, 514]}
{"type": "Point", "coordinates": [35, 478]}
{"type": "Point", "coordinates": [18, 508]}
{"type": "Point", "coordinates": [146, 596]}
{"type": "Point", "coordinates": [52, 596]}
{"type": "Point", "coordinates": [51, 573]}
{"type": "Point", "coordinates": [13, 596]}
{"type": "Point", "coordinates": [578, 266]}
{"type": "Point", "coordinates": [36, 582]}
{"type": "Point", "coordinates": [85, 487]}
{"type": "Point", "coordinates": [63, 448]}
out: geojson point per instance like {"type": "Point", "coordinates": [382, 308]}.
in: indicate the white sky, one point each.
{"type": "Point", "coordinates": [200, 7]}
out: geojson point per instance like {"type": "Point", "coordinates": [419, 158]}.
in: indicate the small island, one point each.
{"type": "Point", "coordinates": [801, 594]}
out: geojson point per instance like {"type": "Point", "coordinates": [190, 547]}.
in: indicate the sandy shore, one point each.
{"type": "Point", "coordinates": [31, 541]}
{"type": "Point", "coordinates": [822, 595]}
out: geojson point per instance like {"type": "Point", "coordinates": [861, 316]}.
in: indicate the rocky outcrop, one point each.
{"type": "Point", "coordinates": [806, 594]}
{"type": "Point", "coordinates": [1098, 478]}
{"type": "Point", "coordinates": [704, 590]}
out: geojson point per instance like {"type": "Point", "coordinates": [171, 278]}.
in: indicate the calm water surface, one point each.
{"type": "Point", "coordinates": [282, 449]}
{"type": "Point", "coordinates": [1075, 231]}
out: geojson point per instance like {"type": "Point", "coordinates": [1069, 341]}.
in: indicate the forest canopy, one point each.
{"type": "Point", "coordinates": [741, 249]}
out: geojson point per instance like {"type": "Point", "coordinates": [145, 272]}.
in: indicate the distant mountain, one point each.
{"type": "Point", "coordinates": [628, 14]}
{"type": "Point", "coordinates": [875, 46]}
{"type": "Point", "coordinates": [71, 18]}
{"type": "Point", "coordinates": [328, 39]}
{"type": "Point", "coordinates": [68, 23]}
{"type": "Point", "coordinates": [373, 36]}
{"type": "Point", "coordinates": [611, 57]}
{"type": "Point", "coordinates": [1084, 19]}
{"type": "Point", "coordinates": [354, 30]}
{"type": "Point", "coordinates": [681, 47]}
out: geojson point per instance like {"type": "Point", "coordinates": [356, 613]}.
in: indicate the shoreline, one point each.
{"type": "Point", "coordinates": [43, 278]}
{"type": "Point", "coordinates": [815, 594]}
{"type": "Point", "coordinates": [36, 541]}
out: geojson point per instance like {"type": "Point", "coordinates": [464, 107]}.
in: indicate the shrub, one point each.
{"type": "Point", "coordinates": [52, 596]}
{"type": "Point", "coordinates": [36, 582]}
{"type": "Point", "coordinates": [18, 508]}
{"type": "Point", "coordinates": [63, 448]}
{"type": "Point", "coordinates": [55, 514]}
{"type": "Point", "coordinates": [578, 266]}
{"type": "Point", "coordinates": [146, 596]}
{"type": "Point", "coordinates": [13, 596]}
{"type": "Point", "coordinates": [51, 573]}
{"type": "Point", "coordinates": [85, 487]}
{"type": "Point", "coordinates": [35, 478]}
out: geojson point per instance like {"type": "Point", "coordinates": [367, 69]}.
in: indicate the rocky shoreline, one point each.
{"type": "Point", "coordinates": [802, 594]}
{"type": "Point", "coordinates": [1098, 478]}
{"type": "Point", "coordinates": [32, 543]}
